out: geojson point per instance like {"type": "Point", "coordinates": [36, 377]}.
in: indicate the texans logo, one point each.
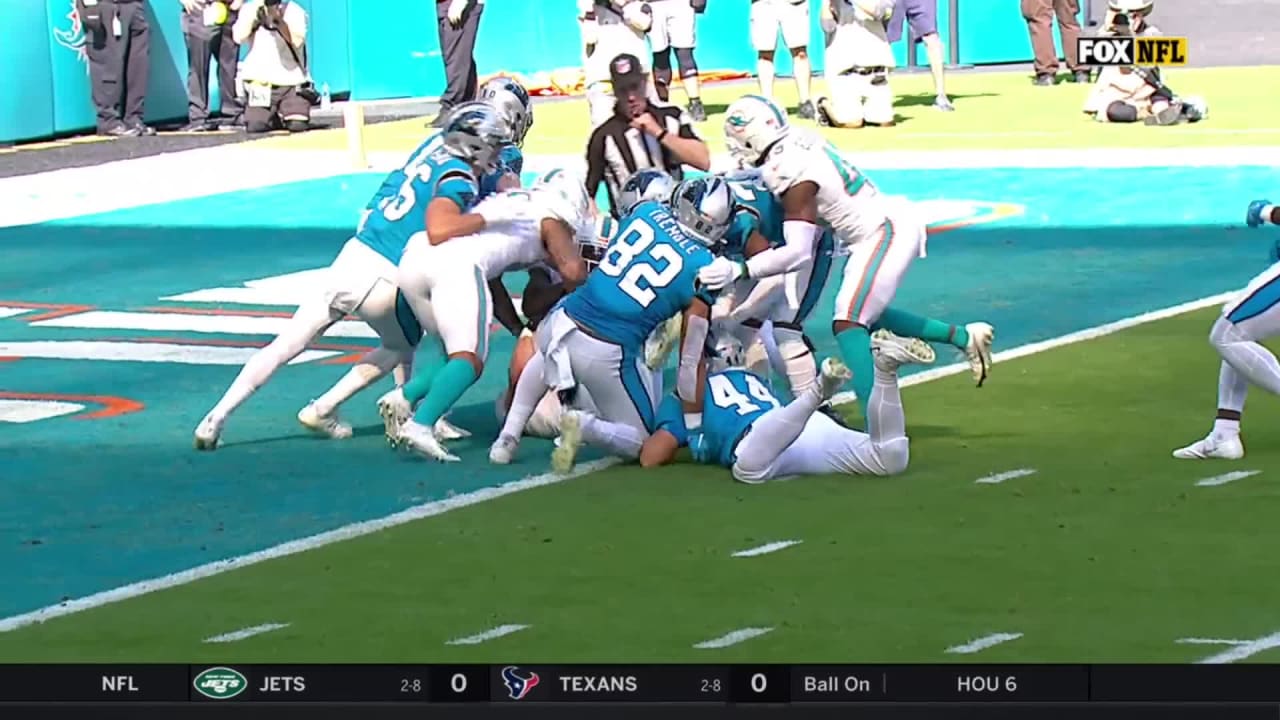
{"type": "Point", "coordinates": [518, 687]}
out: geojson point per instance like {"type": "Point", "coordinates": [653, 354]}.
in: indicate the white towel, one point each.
{"type": "Point", "coordinates": [558, 372]}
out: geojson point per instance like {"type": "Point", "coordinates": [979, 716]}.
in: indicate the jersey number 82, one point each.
{"type": "Point", "coordinates": [640, 277]}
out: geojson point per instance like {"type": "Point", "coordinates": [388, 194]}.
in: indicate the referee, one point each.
{"type": "Point", "coordinates": [642, 134]}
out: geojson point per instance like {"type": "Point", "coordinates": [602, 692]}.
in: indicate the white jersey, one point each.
{"type": "Point", "coordinates": [848, 201]}
{"type": "Point", "coordinates": [516, 245]}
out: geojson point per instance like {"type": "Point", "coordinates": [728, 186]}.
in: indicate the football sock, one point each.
{"type": "Point", "coordinates": [450, 383]}
{"type": "Point", "coordinates": [1232, 390]}
{"type": "Point", "coordinates": [373, 366]}
{"type": "Point", "coordinates": [797, 358]}
{"type": "Point", "coordinates": [616, 438]}
{"type": "Point", "coordinates": [907, 324]}
{"type": "Point", "coordinates": [855, 348]}
{"type": "Point", "coordinates": [886, 422]}
{"type": "Point", "coordinates": [429, 363]}
{"type": "Point", "coordinates": [530, 389]}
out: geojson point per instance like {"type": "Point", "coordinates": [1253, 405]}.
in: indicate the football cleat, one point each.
{"type": "Point", "coordinates": [981, 336]}
{"type": "Point", "coordinates": [503, 450]}
{"type": "Point", "coordinates": [1212, 447]}
{"type": "Point", "coordinates": [395, 411]}
{"type": "Point", "coordinates": [422, 440]}
{"type": "Point", "coordinates": [1253, 216]}
{"type": "Point", "coordinates": [834, 374]}
{"type": "Point", "coordinates": [570, 441]}
{"type": "Point", "coordinates": [329, 425]}
{"type": "Point", "coordinates": [663, 340]}
{"type": "Point", "coordinates": [208, 433]}
{"type": "Point", "coordinates": [892, 351]}
{"type": "Point", "coordinates": [446, 430]}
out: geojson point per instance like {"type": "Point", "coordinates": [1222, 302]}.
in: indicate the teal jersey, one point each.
{"type": "Point", "coordinates": [758, 210]}
{"type": "Point", "coordinates": [510, 160]}
{"type": "Point", "coordinates": [734, 399]}
{"type": "Point", "coordinates": [646, 275]}
{"type": "Point", "coordinates": [398, 216]}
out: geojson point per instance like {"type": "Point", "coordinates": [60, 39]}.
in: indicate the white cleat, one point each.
{"type": "Point", "coordinates": [569, 442]}
{"type": "Point", "coordinates": [834, 375]}
{"type": "Point", "coordinates": [395, 411]}
{"type": "Point", "coordinates": [446, 430]}
{"type": "Point", "coordinates": [503, 450]}
{"type": "Point", "coordinates": [893, 351]}
{"type": "Point", "coordinates": [981, 336]}
{"type": "Point", "coordinates": [663, 340]}
{"type": "Point", "coordinates": [422, 440]}
{"type": "Point", "coordinates": [328, 425]}
{"type": "Point", "coordinates": [1212, 447]}
{"type": "Point", "coordinates": [208, 433]}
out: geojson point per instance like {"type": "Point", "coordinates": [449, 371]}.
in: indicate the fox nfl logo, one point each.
{"type": "Point", "coordinates": [1145, 51]}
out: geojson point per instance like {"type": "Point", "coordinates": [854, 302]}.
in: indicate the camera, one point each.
{"type": "Point", "coordinates": [1120, 25]}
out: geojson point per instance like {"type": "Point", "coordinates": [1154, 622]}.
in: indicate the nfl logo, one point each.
{"type": "Point", "coordinates": [622, 66]}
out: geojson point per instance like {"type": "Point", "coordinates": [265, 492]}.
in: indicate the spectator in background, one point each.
{"type": "Point", "coordinates": [858, 61]}
{"type": "Point", "coordinates": [458, 23]}
{"type": "Point", "coordinates": [1039, 15]}
{"type": "Point", "coordinates": [675, 26]}
{"type": "Point", "coordinates": [273, 72]}
{"type": "Point", "coordinates": [923, 17]}
{"type": "Point", "coordinates": [118, 46]}
{"type": "Point", "coordinates": [791, 18]}
{"type": "Point", "coordinates": [640, 135]}
{"type": "Point", "coordinates": [206, 25]}
{"type": "Point", "coordinates": [611, 28]}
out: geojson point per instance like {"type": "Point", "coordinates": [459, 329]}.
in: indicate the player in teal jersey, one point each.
{"type": "Point", "coordinates": [747, 429]}
{"type": "Point", "coordinates": [594, 339]}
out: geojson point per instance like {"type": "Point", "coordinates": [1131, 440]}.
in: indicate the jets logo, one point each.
{"type": "Point", "coordinates": [517, 686]}
{"type": "Point", "coordinates": [220, 683]}
{"type": "Point", "coordinates": [72, 37]}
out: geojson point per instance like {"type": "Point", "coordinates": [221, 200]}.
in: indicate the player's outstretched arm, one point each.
{"type": "Point", "coordinates": [691, 376]}
{"type": "Point", "coordinates": [799, 232]}
{"type": "Point", "coordinates": [558, 239]}
{"type": "Point", "coordinates": [446, 221]}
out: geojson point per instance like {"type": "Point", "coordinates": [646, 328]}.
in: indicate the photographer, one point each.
{"type": "Point", "coordinates": [277, 86]}
{"type": "Point", "coordinates": [611, 28]}
{"type": "Point", "coordinates": [1132, 93]}
{"type": "Point", "coordinates": [859, 59]}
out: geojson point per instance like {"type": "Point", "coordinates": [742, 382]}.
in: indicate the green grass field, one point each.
{"type": "Point", "coordinates": [1108, 552]}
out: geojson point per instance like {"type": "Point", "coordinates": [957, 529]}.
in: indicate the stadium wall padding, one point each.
{"type": "Point", "coordinates": [382, 49]}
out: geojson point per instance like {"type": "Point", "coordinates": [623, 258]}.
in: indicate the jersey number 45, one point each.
{"type": "Point", "coordinates": [641, 276]}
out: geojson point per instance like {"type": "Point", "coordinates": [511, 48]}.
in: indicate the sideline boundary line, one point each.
{"type": "Point", "coordinates": [439, 507]}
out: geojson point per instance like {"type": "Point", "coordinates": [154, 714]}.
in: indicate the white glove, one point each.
{"type": "Point", "coordinates": [192, 6]}
{"type": "Point", "coordinates": [456, 10]}
{"type": "Point", "coordinates": [827, 24]}
{"type": "Point", "coordinates": [721, 273]}
{"type": "Point", "coordinates": [498, 212]}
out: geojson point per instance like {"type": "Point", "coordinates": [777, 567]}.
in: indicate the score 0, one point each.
{"type": "Point", "coordinates": [760, 684]}
{"type": "Point", "coordinates": [460, 683]}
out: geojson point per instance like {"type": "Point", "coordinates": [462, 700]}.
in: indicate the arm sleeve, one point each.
{"type": "Point", "coordinates": [296, 17]}
{"type": "Point", "coordinates": [595, 162]}
{"type": "Point", "coordinates": [458, 186]}
{"type": "Point", "coordinates": [242, 29]}
{"type": "Point", "coordinates": [800, 237]}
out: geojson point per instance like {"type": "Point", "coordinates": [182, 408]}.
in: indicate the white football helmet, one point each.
{"type": "Point", "coordinates": [566, 198]}
{"type": "Point", "coordinates": [509, 97]}
{"type": "Point", "coordinates": [704, 207]}
{"type": "Point", "coordinates": [724, 351]}
{"type": "Point", "coordinates": [476, 132]}
{"type": "Point", "coordinates": [751, 125]}
{"type": "Point", "coordinates": [644, 185]}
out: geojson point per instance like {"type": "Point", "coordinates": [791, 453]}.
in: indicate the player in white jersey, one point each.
{"type": "Point", "coordinates": [1249, 317]}
{"type": "Point", "coordinates": [815, 183]}
{"type": "Point", "coordinates": [447, 286]}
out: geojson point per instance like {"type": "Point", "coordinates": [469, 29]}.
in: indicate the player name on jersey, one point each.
{"type": "Point", "coordinates": [639, 683]}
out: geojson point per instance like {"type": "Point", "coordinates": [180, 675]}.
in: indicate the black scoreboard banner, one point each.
{"type": "Point", "coordinates": [710, 684]}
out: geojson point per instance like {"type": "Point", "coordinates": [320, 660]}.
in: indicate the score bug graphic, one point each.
{"type": "Point", "coordinates": [518, 682]}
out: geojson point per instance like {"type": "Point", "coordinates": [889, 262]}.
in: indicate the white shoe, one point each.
{"type": "Point", "coordinates": [329, 425]}
{"type": "Point", "coordinates": [569, 442]}
{"type": "Point", "coordinates": [503, 450]}
{"type": "Point", "coordinates": [1218, 447]}
{"type": "Point", "coordinates": [834, 374]}
{"type": "Point", "coordinates": [395, 412]}
{"type": "Point", "coordinates": [421, 439]}
{"type": "Point", "coordinates": [893, 351]}
{"type": "Point", "coordinates": [981, 335]}
{"type": "Point", "coordinates": [446, 430]}
{"type": "Point", "coordinates": [208, 433]}
{"type": "Point", "coordinates": [663, 340]}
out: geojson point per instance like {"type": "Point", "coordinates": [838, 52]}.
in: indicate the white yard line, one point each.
{"type": "Point", "coordinates": [1210, 641]}
{"type": "Point", "coordinates": [487, 635]}
{"type": "Point", "coordinates": [1008, 475]}
{"type": "Point", "coordinates": [983, 643]}
{"type": "Point", "coordinates": [767, 548]}
{"type": "Point", "coordinates": [1226, 478]}
{"type": "Point", "coordinates": [732, 638]}
{"type": "Point", "coordinates": [8, 312]}
{"type": "Point", "coordinates": [439, 507]}
{"type": "Point", "coordinates": [1243, 651]}
{"type": "Point", "coordinates": [246, 633]}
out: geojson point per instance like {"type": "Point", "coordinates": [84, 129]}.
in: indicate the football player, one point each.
{"type": "Point", "coordinates": [815, 183]}
{"type": "Point", "coordinates": [748, 430]}
{"type": "Point", "coordinates": [438, 191]}
{"type": "Point", "coordinates": [1251, 316]}
{"type": "Point", "coordinates": [447, 285]}
{"type": "Point", "coordinates": [594, 340]}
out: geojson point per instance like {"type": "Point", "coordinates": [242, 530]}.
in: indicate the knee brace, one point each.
{"type": "Point", "coordinates": [296, 126]}
{"type": "Point", "coordinates": [662, 73]}
{"type": "Point", "coordinates": [688, 66]}
{"type": "Point", "coordinates": [1122, 112]}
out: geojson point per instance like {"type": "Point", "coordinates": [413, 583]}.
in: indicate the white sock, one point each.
{"type": "Point", "coordinates": [616, 438]}
{"type": "Point", "coordinates": [764, 71]}
{"type": "Point", "coordinates": [798, 362]}
{"type": "Point", "coordinates": [1232, 391]}
{"type": "Point", "coordinates": [530, 389]}
{"type": "Point", "coordinates": [374, 366]}
{"type": "Point", "coordinates": [886, 421]}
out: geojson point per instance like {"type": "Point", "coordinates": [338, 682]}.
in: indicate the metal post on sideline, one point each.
{"type": "Point", "coordinates": [953, 35]}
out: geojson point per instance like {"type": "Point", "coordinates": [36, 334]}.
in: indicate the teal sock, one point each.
{"type": "Point", "coordinates": [907, 324]}
{"type": "Point", "coordinates": [450, 383]}
{"type": "Point", "coordinates": [428, 363]}
{"type": "Point", "coordinates": [855, 348]}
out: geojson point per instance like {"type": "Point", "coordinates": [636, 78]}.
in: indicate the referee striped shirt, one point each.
{"type": "Point", "coordinates": [617, 150]}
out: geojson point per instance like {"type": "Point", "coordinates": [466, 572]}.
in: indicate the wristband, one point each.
{"type": "Point", "coordinates": [663, 134]}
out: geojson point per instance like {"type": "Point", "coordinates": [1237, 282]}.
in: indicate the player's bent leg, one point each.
{"type": "Point", "coordinates": [886, 421]}
{"type": "Point", "coordinates": [321, 414]}
{"type": "Point", "coordinates": [531, 387]}
{"type": "Point", "coordinates": [974, 339]}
